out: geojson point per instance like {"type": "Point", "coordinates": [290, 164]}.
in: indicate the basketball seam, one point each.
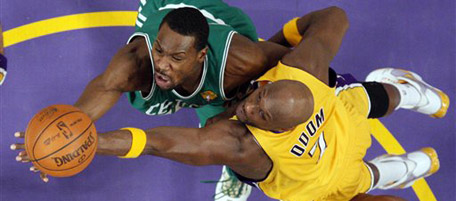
{"type": "Point", "coordinates": [83, 132]}
{"type": "Point", "coordinates": [36, 140]}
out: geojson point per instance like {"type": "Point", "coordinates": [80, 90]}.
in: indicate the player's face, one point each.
{"type": "Point", "coordinates": [254, 110]}
{"type": "Point", "coordinates": [175, 58]}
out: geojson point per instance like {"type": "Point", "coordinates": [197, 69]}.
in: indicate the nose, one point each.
{"type": "Point", "coordinates": [162, 64]}
{"type": "Point", "coordinates": [250, 108]}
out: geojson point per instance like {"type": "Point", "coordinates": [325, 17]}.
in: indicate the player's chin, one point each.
{"type": "Point", "coordinates": [166, 86]}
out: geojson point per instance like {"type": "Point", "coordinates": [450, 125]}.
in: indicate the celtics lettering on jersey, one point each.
{"type": "Point", "coordinates": [311, 129]}
{"type": "Point", "coordinates": [210, 89]}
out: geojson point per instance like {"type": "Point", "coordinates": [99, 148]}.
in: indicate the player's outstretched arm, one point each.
{"type": "Point", "coordinates": [123, 74]}
{"type": "Point", "coordinates": [317, 41]}
{"type": "Point", "coordinates": [225, 142]}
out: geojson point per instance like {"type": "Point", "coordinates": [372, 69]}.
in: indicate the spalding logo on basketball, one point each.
{"type": "Point", "coordinates": [61, 140]}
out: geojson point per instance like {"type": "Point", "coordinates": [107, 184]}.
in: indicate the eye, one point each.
{"type": "Point", "coordinates": [259, 97]}
{"type": "Point", "coordinates": [177, 58]}
{"type": "Point", "coordinates": [159, 51]}
{"type": "Point", "coordinates": [262, 115]}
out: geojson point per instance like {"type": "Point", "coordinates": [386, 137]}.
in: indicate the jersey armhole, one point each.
{"type": "Point", "coordinates": [223, 66]}
{"type": "Point", "coordinates": [149, 95]}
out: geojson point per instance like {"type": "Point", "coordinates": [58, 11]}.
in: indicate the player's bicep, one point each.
{"type": "Point", "coordinates": [224, 143]}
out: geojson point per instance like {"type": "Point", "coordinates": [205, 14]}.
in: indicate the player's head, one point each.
{"type": "Point", "coordinates": [180, 47]}
{"type": "Point", "coordinates": [278, 106]}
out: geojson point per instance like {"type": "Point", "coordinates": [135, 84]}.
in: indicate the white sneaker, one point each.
{"type": "Point", "coordinates": [229, 188]}
{"type": "Point", "coordinates": [420, 164]}
{"type": "Point", "coordinates": [433, 101]}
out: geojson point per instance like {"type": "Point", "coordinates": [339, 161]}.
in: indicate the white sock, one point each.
{"type": "Point", "coordinates": [410, 96]}
{"type": "Point", "coordinates": [389, 172]}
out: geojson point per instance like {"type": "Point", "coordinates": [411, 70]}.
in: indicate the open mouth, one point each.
{"type": "Point", "coordinates": [161, 79]}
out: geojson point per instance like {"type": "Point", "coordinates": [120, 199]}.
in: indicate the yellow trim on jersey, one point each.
{"type": "Point", "coordinates": [127, 18]}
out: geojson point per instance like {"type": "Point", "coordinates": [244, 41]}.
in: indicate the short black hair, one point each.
{"type": "Point", "coordinates": [189, 22]}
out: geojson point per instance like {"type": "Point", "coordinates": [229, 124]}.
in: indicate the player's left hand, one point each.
{"type": "Point", "coordinates": [22, 156]}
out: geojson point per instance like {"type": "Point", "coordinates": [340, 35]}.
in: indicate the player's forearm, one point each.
{"type": "Point", "coordinates": [177, 144]}
{"type": "Point", "coordinates": [96, 100]}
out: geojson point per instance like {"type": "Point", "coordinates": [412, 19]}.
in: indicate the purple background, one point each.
{"type": "Point", "coordinates": [418, 35]}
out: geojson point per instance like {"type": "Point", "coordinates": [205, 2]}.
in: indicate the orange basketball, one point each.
{"type": "Point", "coordinates": [61, 140]}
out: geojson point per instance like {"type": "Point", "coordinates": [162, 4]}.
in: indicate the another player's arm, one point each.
{"type": "Point", "coordinates": [248, 60]}
{"type": "Point", "coordinates": [225, 142]}
{"type": "Point", "coordinates": [123, 74]}
{"type": "Point", "coordinates": [322, 33]}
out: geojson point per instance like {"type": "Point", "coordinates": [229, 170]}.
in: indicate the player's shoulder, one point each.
{"type": "Point", "coordinates": [130, 54]}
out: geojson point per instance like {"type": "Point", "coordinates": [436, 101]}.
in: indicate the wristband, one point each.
{"type": "Point", "coordinates": [138, 142]}
{"type": "Point", "coordinates": [291, 33]}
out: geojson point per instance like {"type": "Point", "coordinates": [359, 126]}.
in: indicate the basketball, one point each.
{"type": "Point", "coordinates": [61, 140]}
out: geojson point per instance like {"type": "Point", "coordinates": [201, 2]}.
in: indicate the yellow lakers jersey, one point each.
{"type": "Point", "coordinates": [310, 161]}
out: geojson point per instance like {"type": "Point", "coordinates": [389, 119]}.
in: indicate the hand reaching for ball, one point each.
{"type": "Point", "coordinates": [23, 157]}
{"type": "Point", "coordinates": [60, 141]}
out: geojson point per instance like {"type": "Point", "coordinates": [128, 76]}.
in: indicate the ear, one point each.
{"type": "Point", "coordinates": [202, 54]}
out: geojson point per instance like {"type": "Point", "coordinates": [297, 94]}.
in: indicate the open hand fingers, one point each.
{"type": "Point", "coordinates": [17, 146]}
{"type": "Point", "coordinates": [34, 169]}
{"type": "Point", "coordinates": [44, 177]}
{"type": "Point", "coordinates": [19, 134]}
{"type": "Point", "coordinates": [22, 157]}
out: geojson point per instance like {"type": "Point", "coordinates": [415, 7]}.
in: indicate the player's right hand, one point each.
{"type": "Point", "coordinates": [22, 156]}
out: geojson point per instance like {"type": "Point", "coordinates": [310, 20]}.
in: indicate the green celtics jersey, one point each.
{"type": "Point", "coordinates": [210, 89]}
